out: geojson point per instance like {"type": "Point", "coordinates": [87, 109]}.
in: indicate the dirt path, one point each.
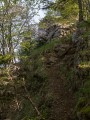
{"type": "Point", "coordinates": [63, 99]}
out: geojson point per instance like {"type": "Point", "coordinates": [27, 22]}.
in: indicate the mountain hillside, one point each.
{"type": "Point", "coordinates": [45, 66]}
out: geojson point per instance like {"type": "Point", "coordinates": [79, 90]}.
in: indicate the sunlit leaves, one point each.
{"type": "Point", "coordinates": [84, 65]}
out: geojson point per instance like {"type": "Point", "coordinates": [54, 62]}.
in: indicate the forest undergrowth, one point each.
{"type": "Point", "coordinates": [51, 84]}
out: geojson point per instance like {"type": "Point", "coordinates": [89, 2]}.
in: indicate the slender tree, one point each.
{"type": "Point", "coordinates": [80, 10]}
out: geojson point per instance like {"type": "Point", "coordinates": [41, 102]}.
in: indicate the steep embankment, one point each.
{"type": "Point", "coordinates": [53, 85]}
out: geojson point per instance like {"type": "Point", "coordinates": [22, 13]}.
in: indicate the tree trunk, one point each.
{"type": "Point", "coordinates": [3, 39]}
{"type": "Point", "coordinates": [80, 10]}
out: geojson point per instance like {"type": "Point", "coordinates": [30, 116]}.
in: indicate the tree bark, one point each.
{"type": "Point", "coordinates": [3, 39]}
{"type": "Point", "coordinates": [80, 10]}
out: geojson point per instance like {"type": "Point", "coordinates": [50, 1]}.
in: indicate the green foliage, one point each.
{"type": "Point", "coordinates": [82, 107]}
{"type": "Point", "coordinates": [85, 24]}
{"type": "Point", "coordinates": [81, 102]}
{"type": "Point", "coordinates": [85, 90]}
{"type": "Point", "coordinates": [85, 52]}
{"type": "Point", "coordinates": [85, 110]}
{"type": "Point", "coordinates": [26, 49]}
{"type": "Point", "coordinates": [68, 9]}
{"type": "Point", "coordinates": [47, 47]}
{"type": "Point", "coordinates": [84, 65]}
{"type": "Point", "coordinates": [4, 59]}
{"type": "Point", "coordinates": [27, 111]}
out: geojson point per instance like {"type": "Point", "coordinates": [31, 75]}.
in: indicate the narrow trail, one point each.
{"type": "Point", "coordinates": [63, 99]}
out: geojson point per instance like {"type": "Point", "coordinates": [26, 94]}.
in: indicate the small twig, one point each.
{"type": "Point", "coordinates": [30, 99]}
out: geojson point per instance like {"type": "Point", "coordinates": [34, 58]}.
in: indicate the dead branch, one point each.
{"type": "Point", "coordinates": [30, 99]}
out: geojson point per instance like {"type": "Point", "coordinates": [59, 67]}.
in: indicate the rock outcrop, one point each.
{"type": "Point", "coordinates": [52, 32]}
